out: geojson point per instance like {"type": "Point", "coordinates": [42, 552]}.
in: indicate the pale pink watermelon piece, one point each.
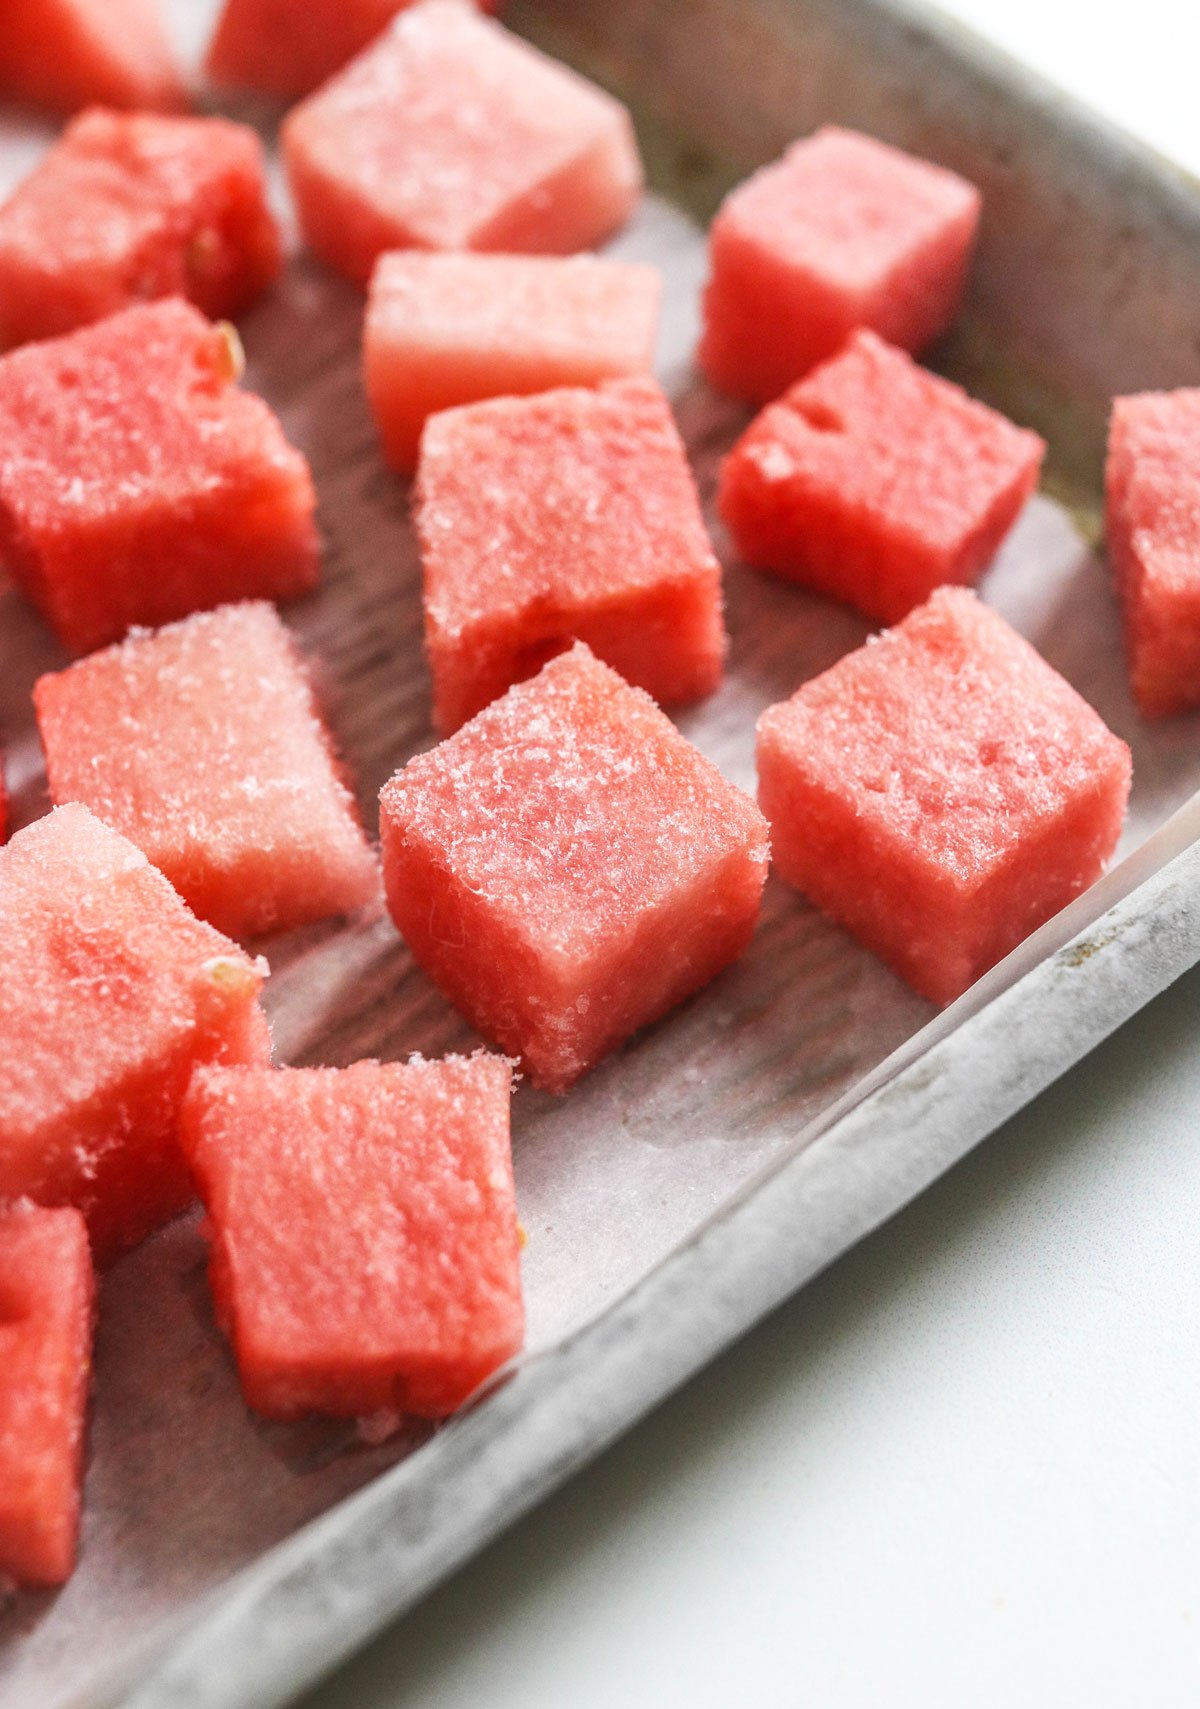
{"type": "Point", "coordinates": [567, 516]}
{"type": "Point", "coordinates": [128, 206]}
{"type": "Point", "coordinates": [138, 484]}
{"type": "Point", "coordinates": [110, 993]}
{"type": "Point", "coordinates": [843, 232]}
{"type": "Point", "coordinates": [875, 481]}
{"type": "Point", "coordinates": [450, 133]}
{"type": "Point", "coordinates": [47, 1295]}
{"type": "Point", "coordinates": [363, 1229]}
{"type": "Point", "coordinates": [568, 868]}
{"type": "Point", "coordinates": [67, 54]}
{"type": "Point", "coordinates": [1153, 522]}
{"type": "Point", "coordinates": [288, 47]}
{"type": "Point", "coordinates": [941, 792]}
{"type": "Point", "coordinates": [202, 744]}
{"type": "Point", "coordinates": [446, 329]}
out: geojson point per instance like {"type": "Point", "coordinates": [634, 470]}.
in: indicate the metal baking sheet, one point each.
{"type": "Point", "coordinates": [712, 1166]}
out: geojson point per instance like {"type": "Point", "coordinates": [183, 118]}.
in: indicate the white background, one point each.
{"type": "Point", "coordinates": [961, 1469]}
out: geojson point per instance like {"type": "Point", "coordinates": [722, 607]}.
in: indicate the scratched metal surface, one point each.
{"type": "Point", "coordinates": [668, 1139]}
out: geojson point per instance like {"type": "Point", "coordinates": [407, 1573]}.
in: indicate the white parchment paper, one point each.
{"type": "Point", "coordinates": [184, 1485]}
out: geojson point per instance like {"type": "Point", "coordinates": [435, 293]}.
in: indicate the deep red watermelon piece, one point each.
{"type": "Point", "coordinates": [288, 47]}
{"type": "Point", "coordinates": [68, 54]}
{"type": "Point", "coordinates": [138, 483]}
{"type": "Point", "coordinates": [875, 481]}
{"type": "Point", "coordinates": [362, 1220]}
{"type": "Point", "coordinates": [47, 1295]}
{"type": "Point", "coordinates": [568, 867]}
{"type": "Point", "coordinates": [843, 232]}
{"type": "Point", "coordinates": [1153, 523]}
{"type": "Point", "coordinates": [128, 206]}
{"type": "Point", "coordinates": [571, 515]}
{"type": "Point", "coordinates": [941, 792]}
{"type": "Point", "coordinates": [110, 993]}
{"type": "Point", "coordinates": [451, 133]}
{"type": "Point", "coordinates": [446, 329]}
{"type": "Point", "coordinates": [202, 743]}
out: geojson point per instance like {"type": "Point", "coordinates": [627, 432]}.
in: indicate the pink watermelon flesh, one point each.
{"type": "Point", "coordinates": [450, 133]}
{"type": "Point", "coordinates": [454, 329]}
{"type": "Point", "coordinates": [843, 232]}
{"type": "Point", "coordinates": [47, 1295]}
{"type": "Point", "coordinates": [288, 47]}
{"type": "Point", "coordinates": [1153, 521]}
{"type": "Point", "coordinates": [941, 792]}
{"type": "Point", "coordinates": [67, 54]}
{"type": "Point", "coordinates": [362, 1220]}
{"type": "Point", "coordinates": [569, 515]}
{"type": "Point", "coordinates": [202, 744]}
{"type": "Point", "coordinates": [568, 868]}
{"type": "Point", "coordinates": [110, 993]}
{"type": "Point", "coordinates": [875, 481]}
{"type": "Point", "coordinates": [130, 206]}
{"type": "Point", "coordinates": [138, 484]}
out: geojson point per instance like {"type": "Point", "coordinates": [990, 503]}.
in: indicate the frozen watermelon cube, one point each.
{"type": "Point", "coordinates": [567, 867]}
{"type": "Point", "coordinates": [46, 1304]}
{"type": "Point", "coordinates": [67, 54]}
{"type": "Point", "coordinates": [571, 515]}
{"type": "Point", "coordinates": [1153, 520]}
{"type": "Point", "coordinates": [450, 133]}
{"type": "Point", "coordinates": [288, 47]}
{"type": "Point", "coordinates": [363, 1229]}
{"type": "Point", "coordinates": [843, 232]}
{"type": "Point", "coordinates": [451, 329]}
{"type": "Point", "coordinates": [110, 993]}
{"type": "Point", "coordinates": [875, 481]}
{"type": "Point", "coordinates": [127, 206]}
{"type": "Point", "coordinates": [138, 483]}
{"type": "Point", "coordinates": [202, 744]}
{"type": "Point", "coordinates": [941, 792]}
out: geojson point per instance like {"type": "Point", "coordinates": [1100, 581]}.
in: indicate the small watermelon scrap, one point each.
{"type": "Point", "coordinates": [68, 54]}
{"type": "Point", "coordinates": [941, 792]}
{"type": "Point", "coordinates": [446, 329]}
{"type": "Point", "coordinates": [288, 47]}
{"type": "Point", "coordinates": [571, 515]}
{"type": "Point", "coordinates": [843, 232]}
{"type": "Point", "coordinates": [451, 133]}
{"type": "Point", "coordinates": [47, 1302]}
{"type": "Point", "coordinates": [568, 868]}
{"type": "Point", "coordinates": [130, 206]}
{"type": "Point", "coordinates": [110, 993]}
{"type": "Point", "coordinates": [139, 484]}
{"type": "Point", "coordinates": [875, 481]}
{"type": "Point", "coordinates": [1153, 524]}
{"type": "Point", "coordinates": [363, 1230]}
{"type": "Point", "coordinates": [202, 744]}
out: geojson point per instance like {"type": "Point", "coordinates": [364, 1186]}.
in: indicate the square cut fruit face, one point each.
{"type": "Point", "coordinates": [138, 483]}
{"type": "Point", "coordinates": [110, 993]}
{"type": "Point", "coordinates": [365, 1252]}
{"type": "Point", "coordinates": [131, 206]}
{"type": "Point", "coordinates": [67, 54]}
{"type": "Point", "coordinates": [203, 745]}
{"type": "Point", "coordinates": [1153, 528]}
{"type": "Point", "coordinates": [451, 133]}
{"type": "Point", "coordinates": [47, 1295]}
{"type": "Point", "coordinates": [942, 792]}
{"type": "Point", "coordinates": [256, 44]}
{"type": "Point", "coordinates": [572, 515]}
{"type": "Point", "coordinates": [843, 232]}
{"type": "Point", "coordinates": [568, 868]}
{"type": "Point", "coordinates": [447, 329]}
{"type": "Point", "coordinates": [875, 481]}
